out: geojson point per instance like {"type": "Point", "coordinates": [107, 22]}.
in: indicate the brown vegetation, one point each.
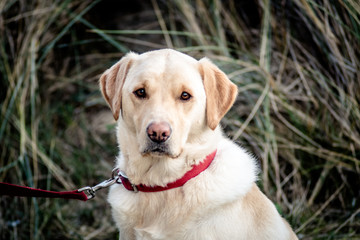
{"type": "Point", "coordinates": [296, 64]}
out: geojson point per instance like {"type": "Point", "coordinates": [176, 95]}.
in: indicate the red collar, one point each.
{"type": "Point", "coordinates": [196, 170]}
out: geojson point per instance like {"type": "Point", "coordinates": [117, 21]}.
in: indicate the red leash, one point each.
{"type": "Point", "coordinates": [20, 191]}
{"type": "Point", "coordinates": [117, 177]}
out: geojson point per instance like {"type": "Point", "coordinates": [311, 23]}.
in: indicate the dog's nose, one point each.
{"type": "Point", "coordinates": [159, 132]}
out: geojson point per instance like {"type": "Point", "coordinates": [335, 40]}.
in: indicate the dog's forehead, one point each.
{"type": "Point", "coordinates": [164, 64]}
{"type": "Point", "coordinates": [165, 60]}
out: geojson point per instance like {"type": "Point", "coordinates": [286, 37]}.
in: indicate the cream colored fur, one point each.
{"type": "Point", "coordinates": [223, 202]}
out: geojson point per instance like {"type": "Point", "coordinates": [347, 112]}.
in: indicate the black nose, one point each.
{"type": "Point", "coordinates": [159, 132]}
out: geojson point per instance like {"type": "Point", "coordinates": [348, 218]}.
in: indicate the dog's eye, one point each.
{"type": "Point", "coordinates": [185, 96]}
{"type": "Point", "coordinates": [140, 93]}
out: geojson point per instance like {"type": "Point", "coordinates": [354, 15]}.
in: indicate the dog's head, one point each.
{"type": "Point", "coordinates": [166, 99]}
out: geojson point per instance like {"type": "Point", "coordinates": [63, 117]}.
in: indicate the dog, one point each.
{"type": "Point", "coordinates": [182, 178]}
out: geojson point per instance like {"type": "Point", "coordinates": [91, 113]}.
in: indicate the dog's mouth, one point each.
{"type": "Point", "coordinates": [158, 149]}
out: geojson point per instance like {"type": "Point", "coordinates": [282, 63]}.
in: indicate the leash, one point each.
{"type": "Point", "coordinates": [21, 191]}
{"type": "Point", "coordinates": [83, 194]}
{"type": "Point", "coordinates": [117, 176]}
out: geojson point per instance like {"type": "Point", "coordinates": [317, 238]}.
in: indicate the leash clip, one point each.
{"type": "Point", "coordinates": [90, 191]}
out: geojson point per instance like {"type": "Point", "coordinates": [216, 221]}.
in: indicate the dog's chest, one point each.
{"type": "Point", "coordinates": [162, 215]}
{"type": "Point", "coordinates": [196, 223]}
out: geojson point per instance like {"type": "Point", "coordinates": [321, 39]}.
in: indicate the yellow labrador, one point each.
{"type": "Point", "coordinates": [185, 179]}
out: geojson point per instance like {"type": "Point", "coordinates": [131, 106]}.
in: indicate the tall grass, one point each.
{"type": "Point", "coordinates": [296, 64]}
{"type": "Point", "coordinates": [46, 133]}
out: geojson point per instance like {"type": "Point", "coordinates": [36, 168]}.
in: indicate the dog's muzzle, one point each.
{"type": "Point", "coordinates": [158, 134]}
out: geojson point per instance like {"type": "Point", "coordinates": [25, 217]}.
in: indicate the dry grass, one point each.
{"type": "Point", "coordinates": [296, 63]}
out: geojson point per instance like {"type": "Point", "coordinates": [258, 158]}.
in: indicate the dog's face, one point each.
{"type": "Point", "coordinates": [165, 99]}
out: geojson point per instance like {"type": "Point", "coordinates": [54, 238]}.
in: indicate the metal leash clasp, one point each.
{"type": "Point", "coordinates": [90, 191]}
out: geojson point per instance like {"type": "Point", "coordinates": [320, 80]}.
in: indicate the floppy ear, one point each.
{"type": "Point", "coordinates": [112, 81]}
{"type": "Point", "coordinates": [220, 92]}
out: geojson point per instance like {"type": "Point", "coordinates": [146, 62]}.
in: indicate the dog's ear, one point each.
{"type": "Point", "coordinates": [220, 92]}
{"type": "Point", "coordinates": [112, 81]}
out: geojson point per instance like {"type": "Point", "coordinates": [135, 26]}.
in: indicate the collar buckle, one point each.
{"type": "Point", "coordinates": [124, 180]}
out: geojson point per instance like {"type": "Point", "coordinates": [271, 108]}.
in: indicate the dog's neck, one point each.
{"type": "Point", "coordinates": [161, 170]}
